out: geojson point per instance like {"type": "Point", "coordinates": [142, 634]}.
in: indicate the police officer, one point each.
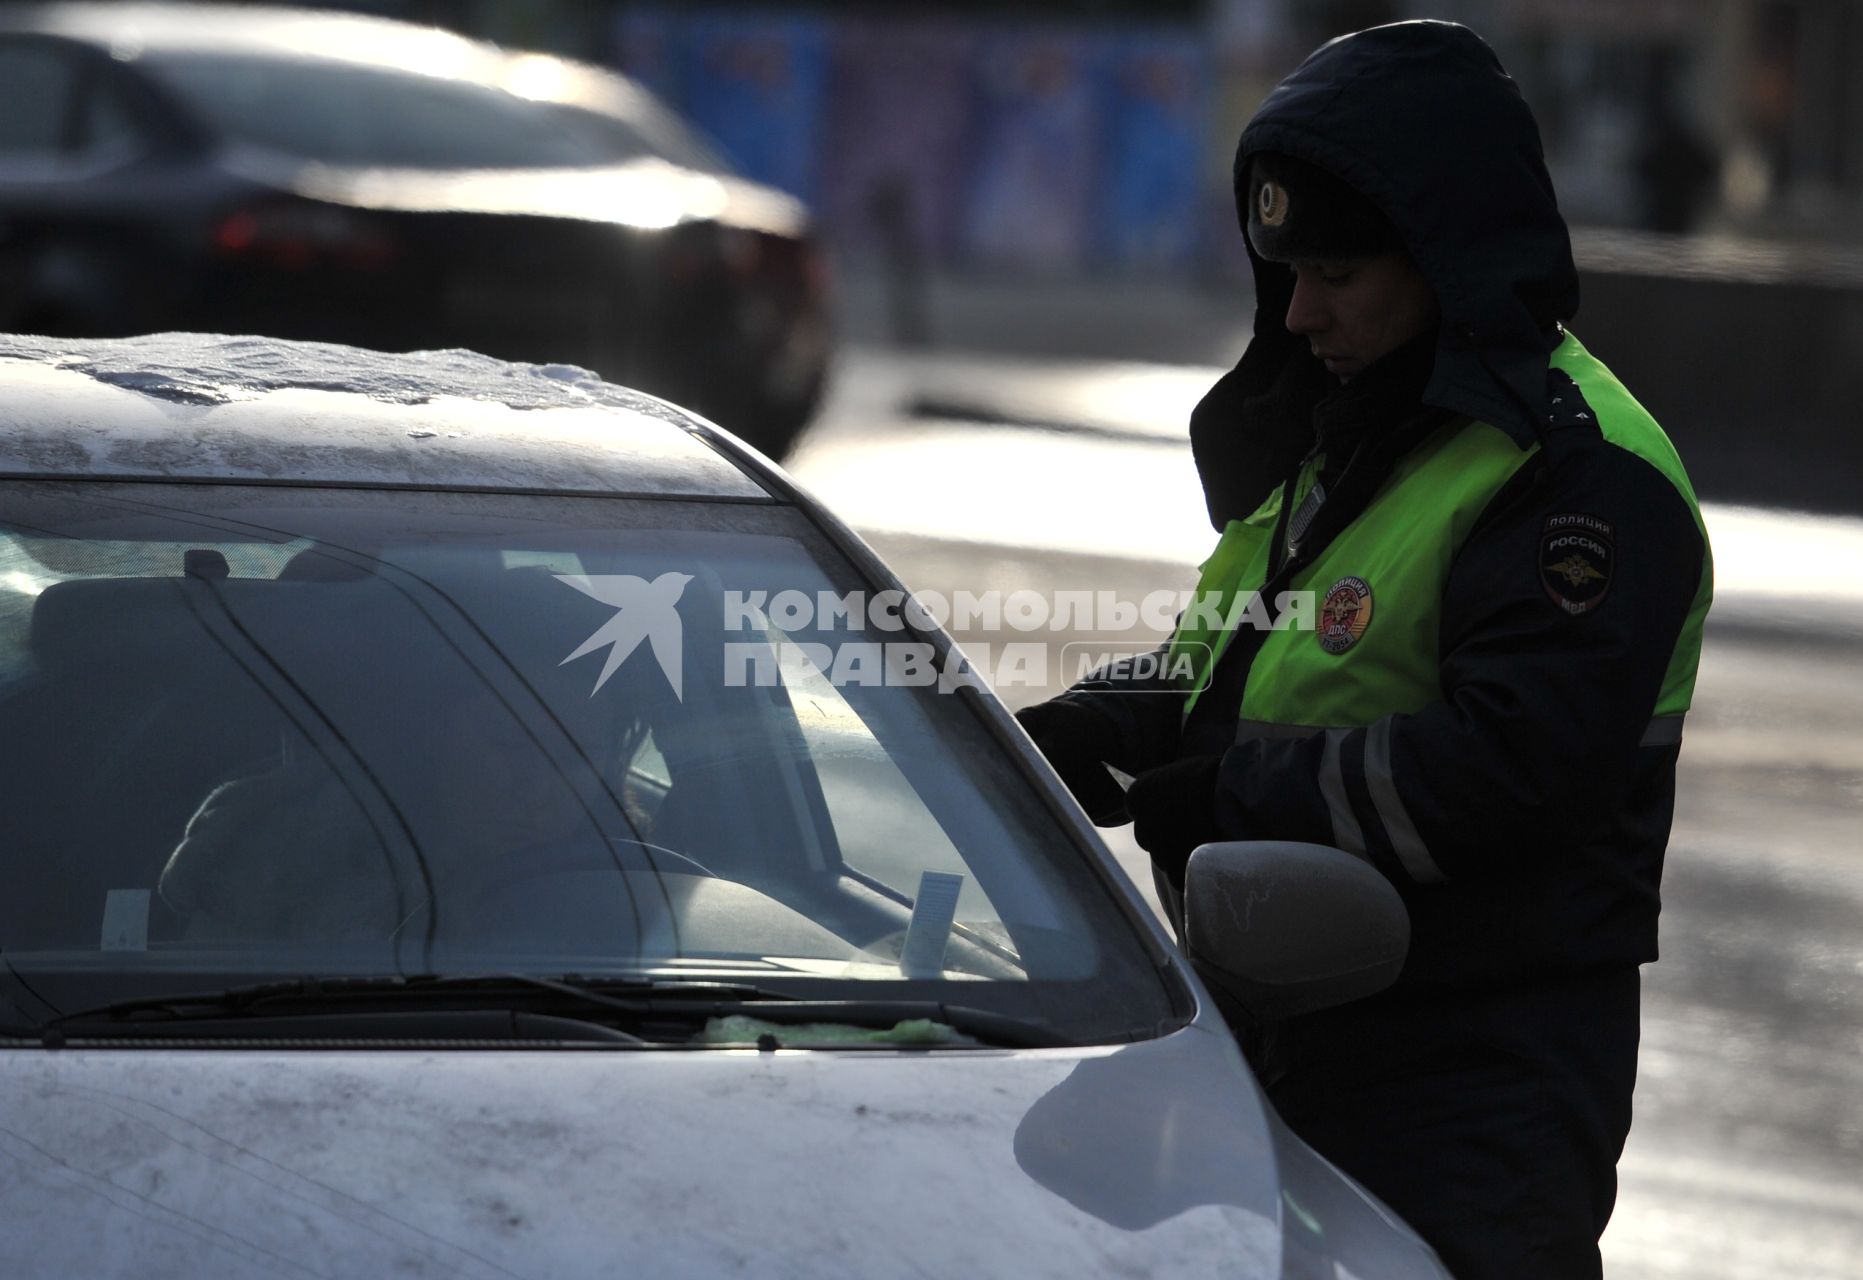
{"type": "Point", "coordinates": [1505, 577]}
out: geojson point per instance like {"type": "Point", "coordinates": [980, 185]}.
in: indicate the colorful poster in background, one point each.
{"type": "Point", "coordinates": [1042, 148]}
{"type": "Point", "coordinates": [755, 84]}
{"type": "Point", "coordinates": [1031, 178]}
{"type": "Point", "coordinates": [897, 140]}
{"type": "Point", "coordinates": [1148, 210]}
{"type": "Point", "coordinates": [644, 47]}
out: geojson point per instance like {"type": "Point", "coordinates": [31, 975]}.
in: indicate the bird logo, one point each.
{"type": "Point", "coordinates": [644, 611]}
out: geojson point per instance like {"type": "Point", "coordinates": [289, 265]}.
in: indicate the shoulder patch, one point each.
{"type": "Point", "coordinates": [1566, 404]}
{"type": "Point", "coordinates": [1578, 557]}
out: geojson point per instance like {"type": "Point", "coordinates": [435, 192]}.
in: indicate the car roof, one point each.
{"type": "Point", "coordinates": [128, 31]}
{"type": "Point", "coordinates": [294, 32]}
{"type": "Point", "coordinates": [208, 407]}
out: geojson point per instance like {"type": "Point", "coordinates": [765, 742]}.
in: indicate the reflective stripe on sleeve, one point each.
{"type": "Point", "coordinates": [1346, 832]}
{"type": "Point", "coordinates": [1379, 780]}
{"type": "Point", "coordinates": [1663, 731]}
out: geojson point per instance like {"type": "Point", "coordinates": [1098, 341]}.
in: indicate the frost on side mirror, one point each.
{"type": "Point", "coordinates": [1281, 928]}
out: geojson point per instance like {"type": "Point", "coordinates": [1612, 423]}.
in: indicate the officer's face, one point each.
{"type": "Point", "coordinates": [1353, 311]}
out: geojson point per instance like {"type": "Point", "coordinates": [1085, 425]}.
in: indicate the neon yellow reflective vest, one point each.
{"type": "Point", "coordinates": [1479, 682]}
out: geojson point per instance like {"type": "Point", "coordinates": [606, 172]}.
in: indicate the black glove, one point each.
{"type": "Point", "coordinates": [1077, 740]}
{"type": "Point", "coordinates": [1173, 811]}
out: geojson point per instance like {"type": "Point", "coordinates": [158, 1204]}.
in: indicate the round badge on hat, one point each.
{"type": "Point", "coordinates": [1344, 614]}
{"type": "Point", "coordinates": [1335, 220]}
{"type": "Point", "coordinates": [1271, 203]}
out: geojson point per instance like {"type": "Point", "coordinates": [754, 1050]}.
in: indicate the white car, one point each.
{"type": "Point", "coordinates": [430, 848]}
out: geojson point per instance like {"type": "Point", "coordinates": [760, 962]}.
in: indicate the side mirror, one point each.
{"type": "Point", "coordinates": [1282, 928]}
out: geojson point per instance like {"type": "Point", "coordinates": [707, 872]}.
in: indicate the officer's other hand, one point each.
{"type": "Point", "coordinates": [1173, 811]}
{"type": "Point", "coordinates": [1076, 740]}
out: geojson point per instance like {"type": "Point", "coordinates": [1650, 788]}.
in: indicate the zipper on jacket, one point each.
{"type": "Point", "coordinates": [1290, 525]}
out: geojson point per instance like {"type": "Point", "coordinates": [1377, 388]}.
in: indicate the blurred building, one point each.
{"type": "Point", "coordinates": [1066, 135]}
{"type": "Point", "coordinates": [1673, 115]}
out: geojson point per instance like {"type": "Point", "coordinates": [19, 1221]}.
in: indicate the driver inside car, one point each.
{"type": "Point", "coordinates": [298, 852]}
{"type": "Point", "coordinates": [432, 790]}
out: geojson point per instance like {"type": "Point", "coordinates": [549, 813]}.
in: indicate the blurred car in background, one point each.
{"type": "Point", "coordinates": [354, 179]}
{"type": "Point", "coordinates": [408, 871]}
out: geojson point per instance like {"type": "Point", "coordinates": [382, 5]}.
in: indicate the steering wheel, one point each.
{"type": "Point", "coordinates": [512, 897]}
{"type": "Point", "coordinates": [569, 855]}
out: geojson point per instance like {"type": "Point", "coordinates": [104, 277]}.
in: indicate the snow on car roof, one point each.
{"type": "Point", "coordinates": [244, 409]}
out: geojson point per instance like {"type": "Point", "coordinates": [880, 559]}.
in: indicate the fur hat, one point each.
{"type": "Point", "coordinates": [1299, 212]}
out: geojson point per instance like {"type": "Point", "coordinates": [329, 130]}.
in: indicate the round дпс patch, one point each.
{"type": "Point", "coordinates": [1577, 558]}
{"type": "Point", "coordinates": [1344, 614]}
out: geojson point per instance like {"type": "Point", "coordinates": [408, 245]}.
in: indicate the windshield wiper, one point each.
{"type": "Point", "coordinates": [368, 1004]}
{"type": "Point", "coordinates": [302, 998]}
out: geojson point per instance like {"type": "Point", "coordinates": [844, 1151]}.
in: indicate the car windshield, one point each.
{"type": "Point", "coordinates": [254, 732]}
{"type": "Point", "coordinates": [360, 116]}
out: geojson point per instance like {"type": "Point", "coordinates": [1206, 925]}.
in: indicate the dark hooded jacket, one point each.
{"type": "Point", "coordinates": [1537, 781]}
{"type": "Point", "coordinates": [1461, 175]}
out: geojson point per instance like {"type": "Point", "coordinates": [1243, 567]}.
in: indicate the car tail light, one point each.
{"type": "Point", "coordinates": [796, 266]}
{"type": "Point", "coordinates": [302, 236]}
{"type": "Point", "coordinates": [696, 251]}
{"type": "Point", "coordinates": [801, 266]}
{"type": "Point", "coordinates": [816, 280]}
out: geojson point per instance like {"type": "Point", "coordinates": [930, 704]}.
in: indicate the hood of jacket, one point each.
{"type": "Point", "coordinates": [1420, 118]}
